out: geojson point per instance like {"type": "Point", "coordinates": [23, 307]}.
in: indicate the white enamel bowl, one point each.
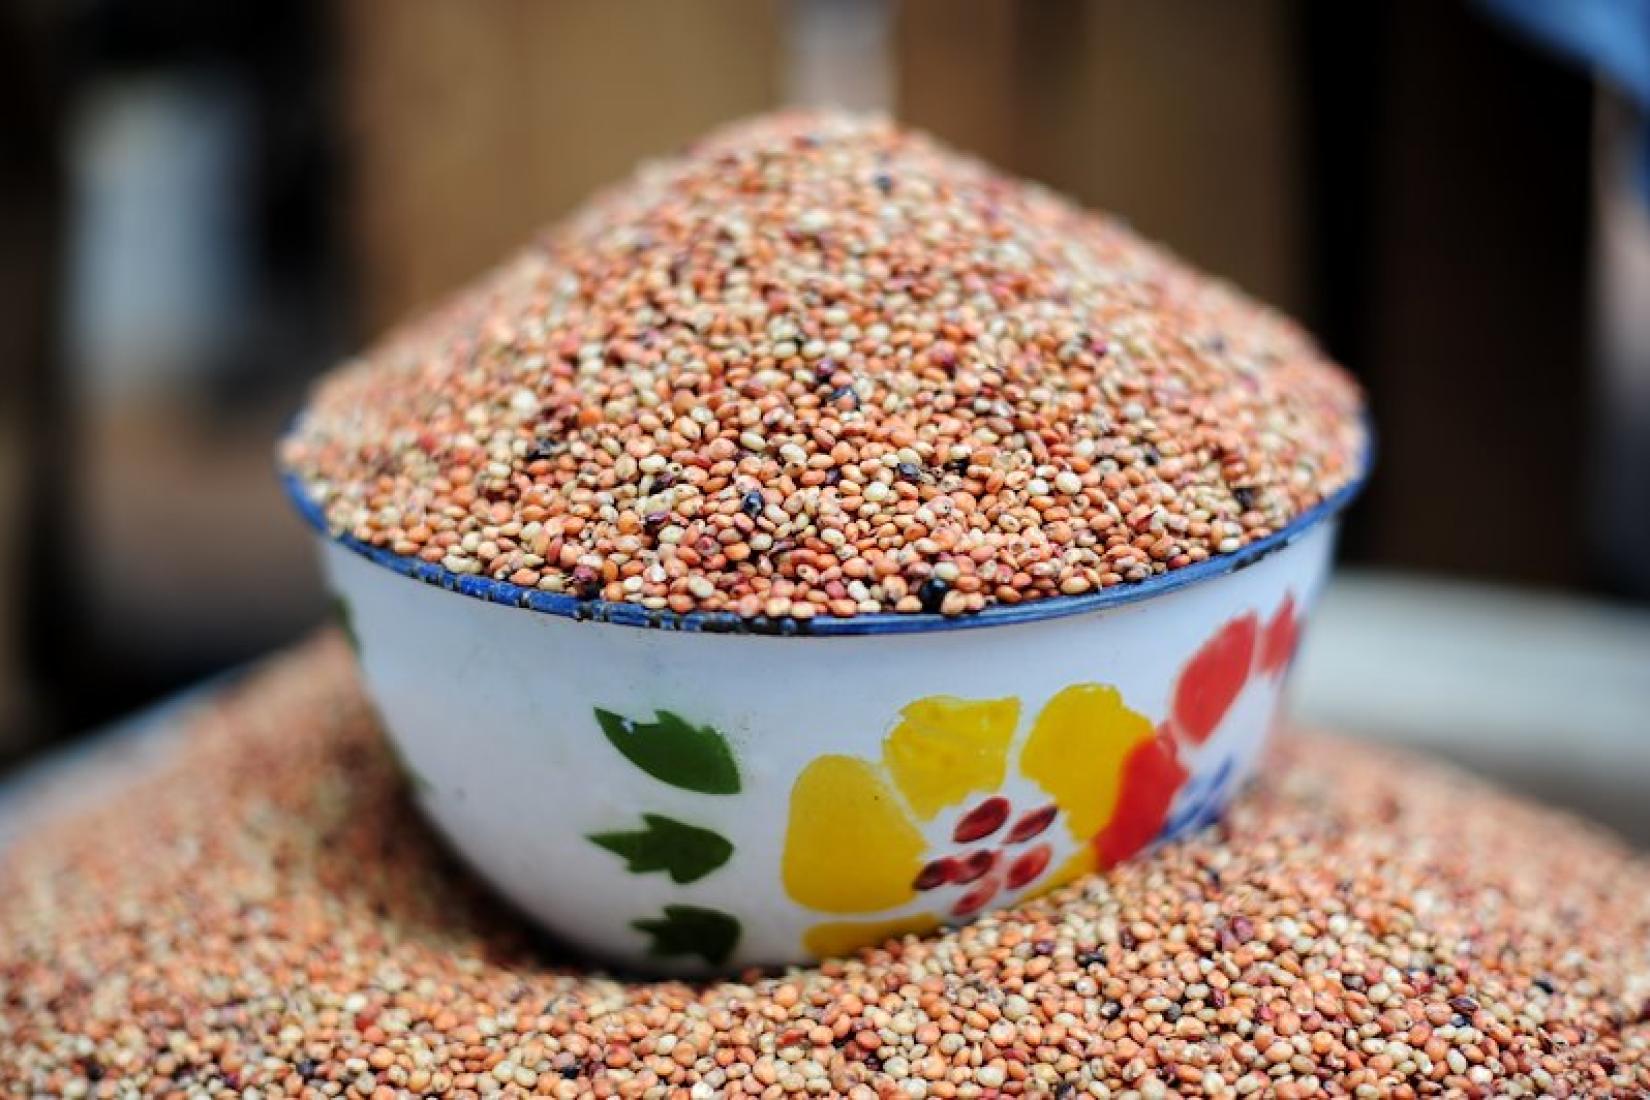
{"type": "Point", "coordinates": [694, 794]}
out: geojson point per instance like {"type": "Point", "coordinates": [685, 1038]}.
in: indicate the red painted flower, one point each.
{"type": "Point", "coordinates": [1152, 776]}
{"type": "Point", "coordinates": [1203, 695]}
{"type": "Point", "coordinates": [1212, 679]}
{"type": "Point", "coordinates": [1282, 635]}
{"type": "Point", "coordinates": [1105, 779]}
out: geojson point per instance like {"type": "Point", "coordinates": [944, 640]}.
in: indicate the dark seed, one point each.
{"type": "Point", "coordinates": [586, 582]}
{"type": "Point", "coordinates": [932, 594]}
{"type": "Point", "coordinates": [752, 503]}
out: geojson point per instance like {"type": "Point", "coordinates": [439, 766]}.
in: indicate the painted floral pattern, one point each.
{"type": "Point", "coordinates": [691, 758]}
{"type": "Point", "coordinates": [1089, 782]}
{"type": "Point", "coordinates": [1250, 651]}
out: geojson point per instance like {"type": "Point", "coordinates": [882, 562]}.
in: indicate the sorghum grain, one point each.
{"type": "Point", "coordinates": [267, 917]}
{"type": "Point", "coordinates": [827, 354]}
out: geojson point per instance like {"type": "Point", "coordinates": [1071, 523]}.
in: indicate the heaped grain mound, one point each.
{"type": "Point", "coordinates": [268, 917]}
{"type": "Point", "coordinates": [820, 365]}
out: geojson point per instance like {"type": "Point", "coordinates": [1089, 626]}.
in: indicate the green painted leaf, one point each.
{"type": "Point", "coordinates": [690, 930]}
{"type": "Point", "coordinates": [687, 852]}
{"type": "Point", "coordinates": [695, 758]}
{"type": "Point", "coordinates": [346, 622]}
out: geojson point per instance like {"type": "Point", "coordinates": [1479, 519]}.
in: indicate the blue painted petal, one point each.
{"type": "Point", "coordinates": [1202, 801]}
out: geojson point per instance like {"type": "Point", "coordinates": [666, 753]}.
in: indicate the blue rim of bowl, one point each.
{"type": "Point", "coordinates": [826, 626]}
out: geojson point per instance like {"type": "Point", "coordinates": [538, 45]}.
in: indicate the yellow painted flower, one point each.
{"type": "Point", "coordinates": [858, 842]}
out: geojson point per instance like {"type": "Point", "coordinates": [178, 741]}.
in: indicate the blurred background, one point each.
{"type": "Point", "coordinates": [203, 205]}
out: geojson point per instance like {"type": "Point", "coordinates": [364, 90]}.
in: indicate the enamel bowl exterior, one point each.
{"type": "Point", "coordinates": [700, 801]}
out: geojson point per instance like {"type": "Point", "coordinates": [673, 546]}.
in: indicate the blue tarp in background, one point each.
{"type": "Point", "coordinates": [1612, 37]}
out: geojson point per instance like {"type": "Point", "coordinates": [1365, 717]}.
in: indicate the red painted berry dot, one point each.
{"type": "Point", "coordinates": [1024, 871]}
{"type": "Point", "coordinates": [972, 866]}
{"type": "Point", "coordinates": [935, 874]}
{"type": "Point", "coordinates": [1032, 824]}
{"type": "Point", "coordinates": [973, 901]}
{"type": "Point", "coordinates": [982, 820]}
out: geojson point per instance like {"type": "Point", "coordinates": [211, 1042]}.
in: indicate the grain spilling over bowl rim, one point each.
{"type": "Point", "coordinates": [824, 626]}
{"type": "Point", "coordinates": [819, 366]}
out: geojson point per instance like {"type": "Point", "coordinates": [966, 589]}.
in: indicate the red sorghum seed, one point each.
{"type": "Point", "coordinates": [821, 350]}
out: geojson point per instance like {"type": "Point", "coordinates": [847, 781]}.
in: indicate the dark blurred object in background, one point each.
{"type": "Point", "coordinates": [204, 206]}
{"type": "Point", "coordinates": [1612, 39]}
{"type": "Point", "coordinates": [188, 283]}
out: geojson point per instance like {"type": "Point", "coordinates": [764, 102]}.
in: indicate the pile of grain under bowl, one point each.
{"type": "Point", "coordinates": [818, 365]}
{"type": "Point", "coordinates": [266, 916]}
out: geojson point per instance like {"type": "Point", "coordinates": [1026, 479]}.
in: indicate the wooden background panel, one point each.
{"type": "Point", "coordinates": [1475, 299]}
{"type": "Point", "coordinates": [957, 74]}
{"type": "Point", "coordinates": [1177, 115]}
{"type": "Point", "coordinates": [470, 124]}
